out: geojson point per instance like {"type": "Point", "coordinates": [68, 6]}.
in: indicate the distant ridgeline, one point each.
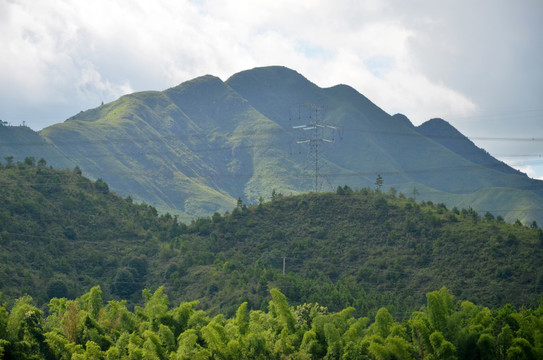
{"type": "Point", "coordinates": [61, 234]}
{"type": "Point", "coordinates": [194, 149]}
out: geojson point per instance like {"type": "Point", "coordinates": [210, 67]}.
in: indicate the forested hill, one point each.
{"type": "Point", "coordinates": [61, 234]}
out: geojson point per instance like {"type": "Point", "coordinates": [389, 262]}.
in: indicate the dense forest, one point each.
{"type": "Point", "coordinates": [61, 234]}
{"type": "Point", "coordinates": [85, 328]}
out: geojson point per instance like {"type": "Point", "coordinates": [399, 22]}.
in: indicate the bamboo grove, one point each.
{"type": "Point", "coordinates": [87, 328]}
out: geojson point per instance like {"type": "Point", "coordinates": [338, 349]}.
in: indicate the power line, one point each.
{"type": "Point", "coordinates": [18, 182]}
{"type": "Point", "coordinates": [459, 168]}
{"type": "Point", "coordinates": [502, 112]}
{"type": "Point", "coordinates": [249, 133]}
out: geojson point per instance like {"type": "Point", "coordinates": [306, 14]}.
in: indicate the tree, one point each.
{"type": "Point", "coordinates": [415, 193]}
{"type": "Point", "coordinates": [392, 191]}
{"type": "Point", "coordinates": [443, 349]}
{"type": "Point", "coordinates": [242, 319]}
{"type": "Point", "coordinates": [24, 330]}
{"type": "Point", "coordinates": [30, 161]}
{"type": "Point", "coordinates": [92, 301]}
{"type": "Point", "coordinates": [379, 182]}
{"type": "Point", "coordinates": [101, 186]}
{"type": "Point", "coordinates": [42, 163]}
{"type": "Point", "coordinates": [57, 289]}
{"type": "Point", "coordinates": [123, 283]}
{"type": "Point", "coordinates": [156, 304]}
{"type": "Point", "coordinates": [9, 161]}
{"type": "Point", "coordinates": [489, 216]}
{"type": "Point", "coordinates": [383, 323]}
{"type": "Point", "coordinates": [280, 304]}
{"type": "Point", "coordinates": [440, 307]}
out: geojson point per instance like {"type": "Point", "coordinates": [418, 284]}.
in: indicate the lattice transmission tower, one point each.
{"type": "Point", "coordinates": [315, 133]}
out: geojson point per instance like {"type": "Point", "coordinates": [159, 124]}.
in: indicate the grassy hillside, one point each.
{"type": "Point", "coordinates": [192, 150]}
{"type": "Point", "coordinates": [20, 142]}
{"type": "Point", "coordinates": [445, 134]}
{"type": "Point", "coordinates": [61, 234]}
{"type": "Point", "coordinates": [509, 203]}
{"type": "Point", "coordinates": [373, 142]}
{"type": "Point", "coordinates": [124, 143]}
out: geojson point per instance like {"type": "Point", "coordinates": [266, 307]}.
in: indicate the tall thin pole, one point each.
{"type": "Point", "coordinates": [284, 264]}
{"type": "Point", "coordinates": [316, 142]}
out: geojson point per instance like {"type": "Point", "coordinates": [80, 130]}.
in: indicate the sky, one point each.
{"type": "Point", "coordinates": [476, 64]}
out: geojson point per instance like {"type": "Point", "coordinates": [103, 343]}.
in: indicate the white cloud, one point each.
{"type": "Point", "coordinates": [409, 59]}
{"type": "Point", "coordinates": [535, 172]}
{"type": "Point", "coordinates": [92, 87]}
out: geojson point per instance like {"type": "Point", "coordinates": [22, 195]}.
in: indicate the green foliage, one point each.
{"type": "Point", "coordinates": [440, 307]}
{"type": "Point", "coordinates": [61, 234]}
{"type": "Point", "coordinates": [378, 182]}
{"type": "Point", "coordinates": [280, 306]}
{"type": "Point", "coordinates": [356, 248]}
{"type": "Point", "coordinates": [158, 331]}
{"type": "Point", "coordinates": [57, 289]}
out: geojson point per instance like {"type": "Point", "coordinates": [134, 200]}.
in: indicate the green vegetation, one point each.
{"type": "Point", "coordinates": [192, 150]}
{"type": "Point", "coordinates": [85, 272]}
{"type": "Point", "coordinates": [22, 142]}
{"type": "Point", "coordinates": [86, 328]}
{"type": "Point", "coordinates": [61, 234]}
{"type": "Point", "coordinates": [442, 132]}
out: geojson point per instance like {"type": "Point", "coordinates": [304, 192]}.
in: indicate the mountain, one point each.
{"type": "Point", "coordinates": [62, 234]}
{"type": "Point", "coordinates": [21, 142]}
{"type": "Point", "coordinates": [445, 134]}
{"type": "Point", "coordinates": [194, 149]}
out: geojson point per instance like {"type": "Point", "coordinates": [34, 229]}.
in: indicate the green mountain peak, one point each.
{"type": "Point", "coordinates": [195, 148]}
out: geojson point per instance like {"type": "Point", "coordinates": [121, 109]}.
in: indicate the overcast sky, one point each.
{"type": "Point", "coordinates": [477, 64]}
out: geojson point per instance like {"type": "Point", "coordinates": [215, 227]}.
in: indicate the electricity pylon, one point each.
{"type": "Point", "coordinates": [314, 134]}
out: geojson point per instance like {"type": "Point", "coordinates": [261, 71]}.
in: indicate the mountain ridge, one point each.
{"type": "Point", "coordinates": [444, 133]}
{"type": "Point", "coordinates": [195, 148]}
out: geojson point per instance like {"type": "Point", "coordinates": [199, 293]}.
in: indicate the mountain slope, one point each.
{"type": "Point", "coordinates": [195, 148]}
{"type": "Point", "coordinates": [374, 142]}
{"type": "Point", "coordinates": [445, 134]}
{"type": "Point", "coordinates": [192, 149]}
{"type": "Point", "coordinates": [124, 143]}
{"type": "Point", "coordinates": [21, 142]}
